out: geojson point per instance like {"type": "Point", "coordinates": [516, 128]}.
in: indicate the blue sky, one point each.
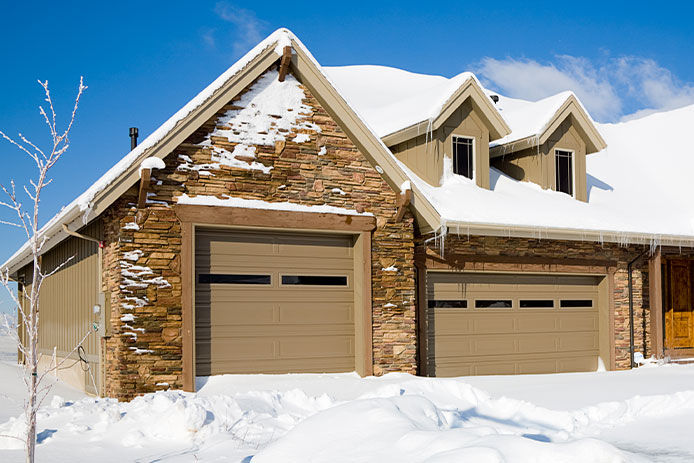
{"type": "Point", "coordinates": [144, 60]}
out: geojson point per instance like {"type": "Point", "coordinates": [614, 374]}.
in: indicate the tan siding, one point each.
{"type": "Point", "coordinates": [537, 164]}
{"type": "Point", "coordinates": [424, 154]}
{"type": "Point", "coordinates": [68, 296]}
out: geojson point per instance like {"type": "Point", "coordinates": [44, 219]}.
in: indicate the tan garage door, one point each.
{"type": "Point", "coordinates": [273, 302]}
{"type": "Point", "coordinates": [485, 324]}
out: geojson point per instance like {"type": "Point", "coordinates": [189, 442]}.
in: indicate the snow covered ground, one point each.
{"type": "Point", "coordinates": [640, 415]}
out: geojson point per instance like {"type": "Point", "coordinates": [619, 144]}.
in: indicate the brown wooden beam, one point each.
{"type": "Point", "coordinates": [188, 308]}
{"type": "Point", "coordinates": [404, 199]}
{"type": "Point", "coordinates": [145, 175]}
{"type": "Point", "coordinates": [284, 63]}
{"type": "Point", "coordinates": [240, 216]}
{"type": "Point", "coordinates": [655, 296]}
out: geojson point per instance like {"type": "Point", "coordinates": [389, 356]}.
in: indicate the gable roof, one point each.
{"type": "Point", "coordinates": [117, 180]}
{"type": "Point", "coordinates": [400, 105]}
{"type": "Point", "coordinates": [532, 123]}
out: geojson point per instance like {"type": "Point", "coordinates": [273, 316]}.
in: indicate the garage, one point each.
{"type": "Point", "coordinates": [486, 324]}
{"type": "Point", "coordinates": [272, 302]}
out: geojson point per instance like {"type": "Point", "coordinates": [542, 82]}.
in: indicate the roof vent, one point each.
{"type": "Point", "coordinates": [133, 137]}
{"type": "Point", "coordinates": [495, 98]}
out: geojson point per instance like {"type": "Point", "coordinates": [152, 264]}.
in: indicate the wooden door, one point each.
{"type": "Point", "coordinates": [679, 317]}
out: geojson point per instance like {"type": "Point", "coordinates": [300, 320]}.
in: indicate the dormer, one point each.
{"type": "Point", "coordinates": [460, 131]}
{"type": "Point", "coordinates": [549, 144]}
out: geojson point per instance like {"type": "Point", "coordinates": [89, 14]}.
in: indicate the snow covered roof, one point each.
{"type": "Point", "coordinates": [391, 100]}
{"type": "Point", "coordinates": [639, 190]}
{"type": "Point", "coordinates": [375, 102]}
{"type": "Point", "coordinates": [534, 121]}
{"type": "Point", "coordinates": [126, 172]}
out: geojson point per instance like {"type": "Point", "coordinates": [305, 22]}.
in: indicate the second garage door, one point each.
{"type": "Point", "coordinates": [273, 303]}
{"type": "Point", "coordinates": [483, 324]}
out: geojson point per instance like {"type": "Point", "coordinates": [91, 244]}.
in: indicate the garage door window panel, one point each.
{"type": "Point", "coordinates": [536, 304]}
{"type": "Point", "coordinates": [493, 304]}
{"type": "Point", "coordinates": [234, 279]}
{"type": "Point", "coordinates": [314, 280]}
{"type": "Point", "coordinates": [448, 304]}
{"type": "Point", "coordinates": [576, 304]}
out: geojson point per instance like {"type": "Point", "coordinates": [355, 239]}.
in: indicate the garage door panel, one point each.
{"type": "Point", "coordinates": [450, 322]}
{"type": "Point", "coordinates": [304, 313]}
{"type": "Point", "coordinates": [219, 334]}
{"type": "Point", "coordinates": [531, 344]}
{"type": "Point", "coordinates": [281, 326]}
{"type": "Point", "coordinates": [316, 347]}
{"type": "Point", "coordinates": [453, 347]}
{"type": "Point", "coordinates": [227, 296]}
{"type": "Point", "coordinates": [537, 323]}
{"type": "Point", "coordinates": [530, 367]}
{"type": "Point", "coordinates": [583, 363]}
{"type": "Point", "coordinates": [490, 345]}
{"type": "Point", "coordinates": [496, 323]}
{"type": "Point", "coordinates": [579, 322]}
{"type": "Point", "coordinates": [536, 334]}
{"type": "Point", "coordinates": [578, 341]}
{"type": "Point", "coordinates": [494, 368]}
{"type": "Point", "coordinates": [337, 365]}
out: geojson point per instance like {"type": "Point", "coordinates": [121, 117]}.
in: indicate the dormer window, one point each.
{"type": "Point", "coordinates": [463, 157]}
{"type": "Point", "coordinates": [564, 163]}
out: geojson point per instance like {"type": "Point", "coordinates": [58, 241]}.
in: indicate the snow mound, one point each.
{"type": "Point", "coordinates": [396, 418]}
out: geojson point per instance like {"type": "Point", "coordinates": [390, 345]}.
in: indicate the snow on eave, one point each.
{"type": "Point", "coordinates": [82, 204]}
{"type": "Point", "coordinates": [570, 106]}
{"type": "Point", "coordinates": [567, 234]}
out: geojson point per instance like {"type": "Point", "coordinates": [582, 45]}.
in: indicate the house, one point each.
{"type": "Point", "coordinates": [300, 218]}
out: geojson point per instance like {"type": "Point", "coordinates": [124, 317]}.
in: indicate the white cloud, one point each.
{"type": "Point", "coordinates": [612, 89]}
{"type": "Point", "coordinates": [249, 29]}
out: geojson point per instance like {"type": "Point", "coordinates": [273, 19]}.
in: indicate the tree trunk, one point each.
{"type": "Point", "coordinates": [31, 413]}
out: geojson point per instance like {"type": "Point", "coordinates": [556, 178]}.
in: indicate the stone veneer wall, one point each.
{"type": "Point", "coordinates": [541, 248]}
{"type": "Point", "coordinates": [321, 167]}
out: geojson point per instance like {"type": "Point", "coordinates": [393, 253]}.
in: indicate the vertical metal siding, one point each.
{"type": "Point", "coordinates": [68, 296]}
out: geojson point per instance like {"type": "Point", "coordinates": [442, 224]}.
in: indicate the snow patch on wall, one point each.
{"type": "Point", "coordinates": [204, 200]}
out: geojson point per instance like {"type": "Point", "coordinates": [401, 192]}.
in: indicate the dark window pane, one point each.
{"type": "Point", "coordinates": [536, 303]}
{"type": "Point", "coordinates": [234, 279]}
{"type": "Point", "coordinates": [564, 171]}
{"type": "Point", "coordinates": [571, 303]}
{"type": "Point", "coordinates": [448, 304]}
{"type": "Point", "coordinates": [314, 280]}
{"type": "Point", "coordinates": [493, 304]}
{"type": "Point", "coordinates": [462, 156]}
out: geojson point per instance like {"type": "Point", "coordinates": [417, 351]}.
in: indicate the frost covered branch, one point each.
{"type": "Point", "coordinates": [27, 307]}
